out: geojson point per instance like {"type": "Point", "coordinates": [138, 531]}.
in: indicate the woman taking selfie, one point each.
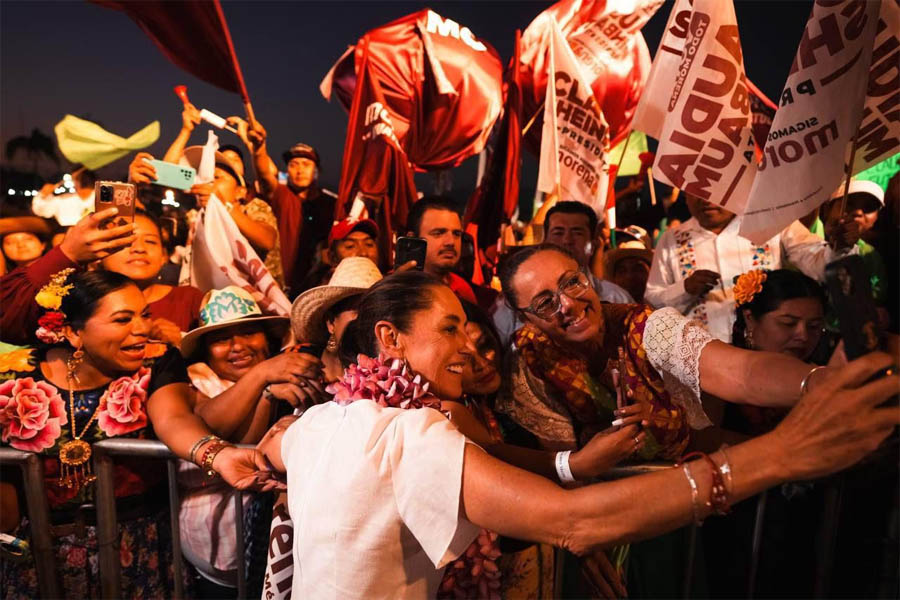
{"type": "Point", "coordinates": [101, 378]}
{"type": "Point", "coordinates": [384, 491]}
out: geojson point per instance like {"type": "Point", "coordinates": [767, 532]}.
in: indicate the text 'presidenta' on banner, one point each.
{"type": "Point", "coordinates": [837, 86]}
{"type": "Point", "coordinates": [704, 127]}
{"type": "Point", "coordinates": [575, 136]}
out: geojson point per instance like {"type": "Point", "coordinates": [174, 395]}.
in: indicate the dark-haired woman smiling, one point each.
{"type": "Point", "coordinates": [98, 380]}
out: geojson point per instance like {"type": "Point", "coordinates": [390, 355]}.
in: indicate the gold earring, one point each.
{"type": "Point", "coordinates": [749, 338]}
{"type": "Point", "coordinates": [331, 346]}
{"type": "Point", "coordinates": [72, 364]}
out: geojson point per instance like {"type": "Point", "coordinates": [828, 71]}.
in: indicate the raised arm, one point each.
{"type": "Point", "coordinates": [254, 136]}
{"type": "Point", "coordinates": [830, 429]}
{"type": "Point", "coordinates": [190, 118]}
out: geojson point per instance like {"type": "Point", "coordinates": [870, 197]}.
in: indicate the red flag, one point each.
{"type": "Point", "coordinates": [499, 187]}
{"type": "Point", "coordinates": [606, 39]}
{"type": "Point", "coordinates": [441, 86]}
{"type": "Point", "coordinates": [375, 169]}
{"type": "Point", "coordinates": [192, 34]}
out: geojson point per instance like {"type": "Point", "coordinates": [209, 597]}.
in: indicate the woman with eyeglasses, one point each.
{"type": "Point", "coordinates": [562, 369]}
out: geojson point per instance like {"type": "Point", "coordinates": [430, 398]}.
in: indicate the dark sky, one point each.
{"type": "Point", "coordinates": [74, 57]}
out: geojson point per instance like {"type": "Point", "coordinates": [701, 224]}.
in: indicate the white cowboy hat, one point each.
{"type": "Point", "coordinates": [353, 275]}
{"type": "Point", "coordinates": [225, 308]}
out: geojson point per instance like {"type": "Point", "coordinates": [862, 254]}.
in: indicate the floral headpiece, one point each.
{"type": "Point", "coordinates": [747, 285]}
{"type": "Point", "coordinates": [50, 297]}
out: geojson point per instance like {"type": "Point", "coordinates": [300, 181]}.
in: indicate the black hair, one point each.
{"type": "Point", "coordinates": [780, 285]}
{"type": "Point", "coordinates": [88, 289]}
{"type": "Point", "coordinates": [417, 212]}
{"type": "Point", "coordinates": [343, 305]}
{"type": "Point", "coordinates": [87, 178]}
{"type": "Point", "coordinates": [571, 207]}
{"type": "Point", "coordinates": [395, 299]}
{"type": "Point", "coordinates": [234, 149]}
{"type": "Point", "coordinates": [475, 314]}
{"type": "Point", "coordinates": [510, 266]}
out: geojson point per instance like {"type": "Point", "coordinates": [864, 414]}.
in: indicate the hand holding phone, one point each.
{"type": "Point", "coordinates": [172, 175]}
{"type": "Point", "coordinates": [118, 195]}
{"type": "Point", "coordinates": [411, 249]}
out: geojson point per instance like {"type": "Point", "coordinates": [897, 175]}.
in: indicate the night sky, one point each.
{"type": "Point", "coordinates": [78, 58]}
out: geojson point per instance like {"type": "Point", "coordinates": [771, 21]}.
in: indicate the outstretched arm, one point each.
{"type": "Point", "coordinates": [254, 136]}
{"type": "Point", "coordinates": [830, 429]}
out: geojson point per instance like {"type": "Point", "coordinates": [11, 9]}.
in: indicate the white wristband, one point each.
{"type": "Point", "coordinates": [562, 467]}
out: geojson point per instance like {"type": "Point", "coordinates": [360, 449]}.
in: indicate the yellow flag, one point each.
{"type": "Point", "coordinates": [631, 164]}
{"type": "Point", "coordinates": [87, 143]}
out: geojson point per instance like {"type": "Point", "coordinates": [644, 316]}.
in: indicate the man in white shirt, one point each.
{"type": "Point", "coordinates": [67, 209]}
{"type": "Point", "coordinates": [694, 265]}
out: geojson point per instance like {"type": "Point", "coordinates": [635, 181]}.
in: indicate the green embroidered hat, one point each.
{"type": "Point", "coordinates": [228, 307]}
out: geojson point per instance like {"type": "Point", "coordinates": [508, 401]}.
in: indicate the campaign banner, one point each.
{"type": "Point", "coordinates": [650, 113]}
{"type": "Point", "coordinates": [706, 143]}
{"type": "Point", "coordinates": [606, 40]}
{"type": "Point", "coordinates": [575, 136]}
{"type": "Point", "coordinates": [279, 575]}
{"type": "Point", "coordinates": [819, 112]}
{"type": "Point", "coordinates": [879, 130]}
{"type": "Point", "coordinates": [222, 256]}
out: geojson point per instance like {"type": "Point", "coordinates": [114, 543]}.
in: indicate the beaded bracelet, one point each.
{"type": "Point", "coordinates": [718, 493]}
{"type": "Point", "coordinates": [199, 443]}
{"type": "Point", "coordinates": [209, 455]}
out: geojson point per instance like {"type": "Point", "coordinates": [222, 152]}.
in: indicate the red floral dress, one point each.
{"type": "Point", "coordinates": [34, 416]}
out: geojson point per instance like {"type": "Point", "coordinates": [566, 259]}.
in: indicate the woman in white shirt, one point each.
{"type": "Point", "coordinates": [383, 498]}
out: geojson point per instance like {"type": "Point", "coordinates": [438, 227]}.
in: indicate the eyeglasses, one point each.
{"type": "Point", "coordinates": [573, 284]}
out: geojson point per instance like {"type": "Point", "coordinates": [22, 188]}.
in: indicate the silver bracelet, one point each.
{"type": "Point", "coordinates": [804, 384]}
{"type": "Point", "coordinates": [563, 471]}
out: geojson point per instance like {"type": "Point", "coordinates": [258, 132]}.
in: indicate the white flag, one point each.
{"type": "Point", "coordinates": [706, 142]}
{"type": "Point", "coordinates": [819, 111]}
{"type": "Point", "coordinates": [222, 256]}
{"type": "Point", "coordinates": [651, 110]}
{"type": "Point", "coordinates": [575, 137]}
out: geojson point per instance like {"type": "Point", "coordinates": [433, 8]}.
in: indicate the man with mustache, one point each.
{"type": "Point", "coordinates": [437, 221]}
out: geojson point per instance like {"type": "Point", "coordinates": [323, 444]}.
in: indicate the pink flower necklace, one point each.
{"type": "Point", "coordinates": [74, 456]}
{"type": "Point", "coordinates": [390, 383]}
{"type": "Point", "coordinates": [386, 382]}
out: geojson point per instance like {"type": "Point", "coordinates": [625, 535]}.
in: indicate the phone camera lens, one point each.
{"type": "Point", "coordinates": [106, 193]}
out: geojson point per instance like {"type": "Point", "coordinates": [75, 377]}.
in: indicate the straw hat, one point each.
{"type": "Point", "coordinates": [225, 308]}
{"type": "Point", "coordinates": [353, 275]}
{"type": "Point", "coordinates": [636, 244]}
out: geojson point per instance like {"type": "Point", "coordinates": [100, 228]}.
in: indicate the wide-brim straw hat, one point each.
{"type": "Point", "coordinates": [353, 275]}
{"type": "Point", "coordinates": [629, 249]}
{"type": "Point", "coordinates": [229, 307]}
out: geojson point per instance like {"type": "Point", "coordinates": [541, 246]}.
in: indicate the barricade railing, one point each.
{"type": "Point", "coordinates": [41, 544]}
{"type": "Point", "coordinates": [107, 522]}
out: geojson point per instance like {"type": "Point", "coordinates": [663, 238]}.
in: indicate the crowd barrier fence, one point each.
{"type": "Point", "coordinates": [41, 543]}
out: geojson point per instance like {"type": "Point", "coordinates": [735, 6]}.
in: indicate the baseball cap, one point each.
{"type": "Point", "coordinates": [860, 186]}
{"type": "Point", "coordinates": [301, 151]}
{"type": "Point", "coordinates": [345, 227]}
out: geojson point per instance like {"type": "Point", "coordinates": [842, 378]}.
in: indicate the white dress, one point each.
{"type": "Point", "coordinates": [374, 494]}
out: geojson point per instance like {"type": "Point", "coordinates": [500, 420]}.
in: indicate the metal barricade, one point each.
{"type": "Point", "coordinates": [107, 523]}
{"type": "Point", "coordinates": [38, 516]}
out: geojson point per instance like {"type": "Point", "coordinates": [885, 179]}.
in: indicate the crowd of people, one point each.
{"type": "Point", "coordinates": [430, 436]}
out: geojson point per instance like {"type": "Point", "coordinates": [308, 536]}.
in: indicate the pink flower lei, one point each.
{"type": "Point", "coordinates": [390, 383]}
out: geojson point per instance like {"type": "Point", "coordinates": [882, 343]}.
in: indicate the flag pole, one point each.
{"type": "Point", "coordinates": [624, 150]}
{"type": "Point", "coordinates": [248, 107]}
{"type": "Point", "coordinates": [849, 172]}
{"type": "Point", "coordinates": [650, 183]}
{"type": "Point", "coordinates": [539, 110]}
